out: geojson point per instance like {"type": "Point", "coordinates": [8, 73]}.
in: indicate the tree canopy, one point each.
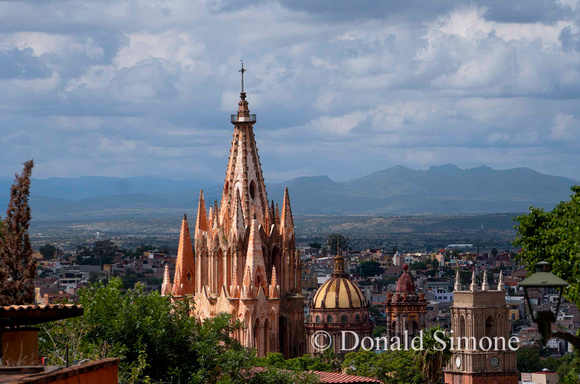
{"type": "Point", "coordinates": [334, 241]}
{"type": "Point", "coordinates": [392, 367]}
{"type": "Point", "coordinates": [17, 266]}
{"type": "Point", "coordinates": [47, 250]}
{"type": "Point", "coordinates": [155, 339]}
{"type": "Point", "coordinates": [554, 237]}
{"type": "Point", "coordinates": [370, 268]}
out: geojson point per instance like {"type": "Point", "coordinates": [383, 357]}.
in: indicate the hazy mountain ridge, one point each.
{"type": "Point", "coordinates": [396, 190]}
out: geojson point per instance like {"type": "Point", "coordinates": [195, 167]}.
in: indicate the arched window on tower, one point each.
{"type": "Point", "coordinates": [317, 319]}
{"type": "Point", "coordinates": [253, 189]}
{"type": "Point", "coordinates": [461, 329]}
{"type": "Point", "coordinates": [344, 319]}
{"type": "Point", "coordinates": [489, 327]}
{"type": "Point", "coordinates": [329, 319]}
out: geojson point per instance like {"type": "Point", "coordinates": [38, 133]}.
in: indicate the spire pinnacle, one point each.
{"type": "Point", "coordinates": [457, 286]}
{"type": "Point", "coordinates": [286, 220]}
{"type": "Point", "coordinates": [485, 284]}
{"type": "Point", "coordinates": [274, 291]}
{"type": "Point", "coordinates": [184, 281]}
{"type": "Point", "coordinates": [255, 258]}
{"type": "Point", "coordinates": [238, 219]}
{"type": "Point", "coordinates": [500, 282]}
{"type": "Point", "coordinates": [166, 286]}
{"type": "Point", "coordinates": [201, 222]}
{"type": "Point", "coordinates": [473, 286]}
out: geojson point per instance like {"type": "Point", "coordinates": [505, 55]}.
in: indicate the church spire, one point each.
{"type": "Point", "coordinates": [166, 286]}
{"type": "Point", "coordinates": [473, 286]}
{"type": "Point", "coordinates": [244, 172]}
{"type": "Point", "coordinates": [274, 287]}
{"type": "Point", "coordinates": [457, 287]}
{"type": "Point", "coordinates": [500, 282]}
{"type": "Point", "coordinates": [238, 226]}
{"type": "Point", "coordinates": [255, 265]}
{"type": "Point", "coordinates": [201, 222]}
{"type": "Point", "coordinates": [184, 281]}
{"type": "Point", "coordinates": [286, 220]}
{"type": "Point", "coordinates": [485, 284]}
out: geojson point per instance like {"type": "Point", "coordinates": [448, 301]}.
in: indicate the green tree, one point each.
{"type": "Point", "coordinates": [379, 331]}
{"type": "Point", "coordinates": [17, 266]}
{"type": "Point", "coordinates": [104, 251]}
{"type": "Point", "coordinates": [47, 250]}
{"type": "Point", "coordinates": [155, 338]}
{"type": "Point", "coordinates": [315, 245]}
{"type": "Point", "coordinates": [433, 358]}
{"type": "Point", "coordinates": [553, 237]}
{"type": "Point", "coordinates": [370, 268]}
{"type": "Point", "coordinates": [528, 359]}
{"type": "Point", "coordinates": [569, 370]}
{"type": "Point", "coordinates": [392, 367]}
{"type": "Point", "coordinates": [334, 241]}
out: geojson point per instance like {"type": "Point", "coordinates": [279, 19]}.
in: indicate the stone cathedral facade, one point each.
{"type": "Point", "coordinates": [245, 263]}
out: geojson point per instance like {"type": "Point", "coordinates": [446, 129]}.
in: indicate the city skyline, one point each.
{"type": "Point", "coordinates": [133, 89]}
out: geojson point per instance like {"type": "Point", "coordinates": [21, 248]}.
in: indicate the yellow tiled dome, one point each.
{"type": "Point", "coordinates": [339, 292]}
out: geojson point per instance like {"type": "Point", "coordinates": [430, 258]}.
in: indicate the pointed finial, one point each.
{"type": "Point", "coordinates": [457, 281]}
{"type": "Point", "coordinates": [166, 286]}
{"type": "Point", "coordinates": [500, 282]}
{"type": "Point", "coordinates": [286, 219]}
{"type": "Point", "coordinates": [201, 223]}
{"type": "Point", "coordinates": [473, 286]}
{"type": "Point", "coordinates": [485, 284]}
{"type": "Point", "coordinates": [242, 72]}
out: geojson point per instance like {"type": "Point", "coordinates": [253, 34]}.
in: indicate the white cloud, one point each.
{"type": "Point", "coordinates": [322, 63]}
{"type": "Point", "coordinates": [153, 84]}
{"type": "Point", "coordinates": [565, 127]}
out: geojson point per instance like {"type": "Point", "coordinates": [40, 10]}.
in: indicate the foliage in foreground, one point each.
{"type": "Point", "coordinates": [328, 362]}
{"type": "Point", "coordinates": [553, 237]}
{"type": "Point", "coordinates": [156, 340]}
{"type": "Point", "coordinates": [17, 266]}
{"type": "Point", "coordinates": [531, 359]}
{"type": "Point", "coordinates": [393, 367]}
{"type": "Point", "coordinates": [569, 369]}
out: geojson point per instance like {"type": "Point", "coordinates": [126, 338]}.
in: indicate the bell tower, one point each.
{"type": "Point", "coordinates": [478, 314]}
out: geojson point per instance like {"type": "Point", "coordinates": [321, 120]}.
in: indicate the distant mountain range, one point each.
{"type": "Point", "coordinates": [398, 190]}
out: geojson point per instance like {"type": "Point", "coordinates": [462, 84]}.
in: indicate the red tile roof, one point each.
{"type": "Point", "coordinates": [35, 314]}
{"type": "Point", "coordinates": [334, 377]}
{"type": "Point", "coordinates": [339, 378]}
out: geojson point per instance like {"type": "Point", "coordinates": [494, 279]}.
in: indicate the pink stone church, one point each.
{"type": "Point", "coordinates": [245, 261]}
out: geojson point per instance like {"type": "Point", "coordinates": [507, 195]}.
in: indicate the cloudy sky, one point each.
{"type": "Point", "coordinates": [341, 88]}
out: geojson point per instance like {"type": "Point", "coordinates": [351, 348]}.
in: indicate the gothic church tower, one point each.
{"type": "Point", "coordinates": [478, 313]}
{"type": "Point", "coordinates": [246, 262]}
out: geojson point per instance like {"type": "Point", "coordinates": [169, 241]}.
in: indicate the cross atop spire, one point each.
{"type": "Point", "coordinates": [242, 72]}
